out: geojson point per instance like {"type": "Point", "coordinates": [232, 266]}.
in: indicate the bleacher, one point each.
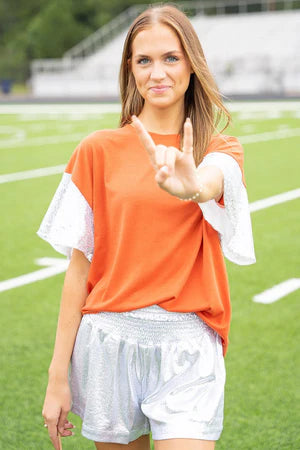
{"type": "Point", "coordinates": [248, 53]}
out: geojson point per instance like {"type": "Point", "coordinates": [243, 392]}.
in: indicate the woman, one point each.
{"type": "Point", "coordinates": [144, 213]}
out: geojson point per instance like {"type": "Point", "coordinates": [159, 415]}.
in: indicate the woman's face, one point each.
{"type": "Point", "coordinates": [160, 67]}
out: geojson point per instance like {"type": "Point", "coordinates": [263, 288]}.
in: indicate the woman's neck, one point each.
{"type": "Point", "coordinates": [162, 121]}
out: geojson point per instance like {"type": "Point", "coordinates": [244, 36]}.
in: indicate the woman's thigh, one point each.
{"type": "Point", "coordinates": [183, 444]}
{"type": "Point", "coordinates": [142, 443]}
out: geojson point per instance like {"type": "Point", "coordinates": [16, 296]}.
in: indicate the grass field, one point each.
{"type": "Point", "coordinates": [263, 361]}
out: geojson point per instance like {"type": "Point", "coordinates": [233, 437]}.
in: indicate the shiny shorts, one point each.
{"type": "Point", "coordinates": [147, 370]}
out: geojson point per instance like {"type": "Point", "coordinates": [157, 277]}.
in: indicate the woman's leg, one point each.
{"type": "Point", "coordinates": [142, 443]}
{"type": "Point", "coordinates": [183, 444]}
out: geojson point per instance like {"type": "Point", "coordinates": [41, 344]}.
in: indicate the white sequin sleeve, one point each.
{"type": "Point", "coordinates": [69, 221]}
{"type": "Point", "coordinates": [232, 221]}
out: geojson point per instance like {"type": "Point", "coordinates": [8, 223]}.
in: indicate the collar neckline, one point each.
{"type": "Point", "coordinates": [172, 135]}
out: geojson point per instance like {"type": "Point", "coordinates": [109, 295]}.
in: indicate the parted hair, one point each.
{"type": "Point", "coordinates": [203, 101]}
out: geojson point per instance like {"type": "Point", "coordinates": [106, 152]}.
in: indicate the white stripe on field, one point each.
{"type": "Point", "coordinates": [35, 173]}
{"type": "Point", "coordinates": [269, 136]}
{"type": "Point", "coordinates": [21, 141]}
{"type": "Point", "coordinates": [55, 266]}
{"type": "Point", "coordinates": [95, 108]}
{"type": "Point", "coordinates": [46, 140]}
{"type": "Point", "coordinates": [278, 291]}
{"type": "Point", "coordinates": [46, 171]}
{"type": "Point", "coordinates": [52, 108]}
{"type": "Point", "coordinates": [41, 140]}
{"type": "Point", "coordinates": [274, 200]}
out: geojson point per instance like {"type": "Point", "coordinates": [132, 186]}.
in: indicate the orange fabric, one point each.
{"type": "Point", "coordinates": [150, 246]}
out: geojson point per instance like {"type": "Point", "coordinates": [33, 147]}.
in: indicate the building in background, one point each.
{"type": "Point", "coordinates": [249, 53]}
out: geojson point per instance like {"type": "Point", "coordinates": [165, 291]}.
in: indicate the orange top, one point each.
{"type": "Point", "coordinates": [149, 247]}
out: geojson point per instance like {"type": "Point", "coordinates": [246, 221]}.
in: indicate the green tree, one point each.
{"type": "Point", "coordinates": [54, 30]}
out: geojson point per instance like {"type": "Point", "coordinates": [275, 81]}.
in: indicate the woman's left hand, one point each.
{"type": "Point", "coordinates": [175, 169]}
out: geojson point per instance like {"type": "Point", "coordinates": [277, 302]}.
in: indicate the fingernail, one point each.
{"type": "Point", "coordinates": [133, 117]}
{"type": "Point", "coordinates": [188, 119]}
{"type": "Point", "coordinates": [165, 169]}
{"type": "Point", "coordinates": [73, 434]}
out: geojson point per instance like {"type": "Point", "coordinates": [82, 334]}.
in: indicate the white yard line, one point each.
{"type": "Point", "coordinates": [53, 170]}
{"type": "Point", "coordinates": [95, 108]}
{"type": "Point", "coordinates": [57, 265]}
{"type": "Point", "coordinates": [274, 200]}
{"type": "Point", "coordinates": [53, 108]}
{"type": "Point", "coordinates": [278, 291]}
{"type": "Point", "coordinates": [46, 171]}
{"type": "Point", "coordinates": [269, 136]}
{"type": "Point", "coordinates": [54, 267]}
{"type": "Point", "coordinates": [35, 173]}
{"type": "Point", "coordinates": [41, 140]}
{"type": "Point", "coordinates": [21, 140]}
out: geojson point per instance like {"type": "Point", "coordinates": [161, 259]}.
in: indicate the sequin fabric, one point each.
{"type": "Point", "coordinates": [233, 221]}
{"type": "Point", "coordinates": [69, 222]}
{"type": "Point", "coordinates": [147, 370]}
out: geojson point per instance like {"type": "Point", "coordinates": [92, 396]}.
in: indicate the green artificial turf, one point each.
{"type": "Point", "coordinates": [262, 390]}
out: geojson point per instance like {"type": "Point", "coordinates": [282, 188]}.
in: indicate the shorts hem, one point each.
{"type": "Point", "coordinates": [105, 436]}
{"type": "Point", "coordinates": [213, 435]}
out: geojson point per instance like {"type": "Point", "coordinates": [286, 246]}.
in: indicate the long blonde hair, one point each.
{"type": "Point", "coordinates": [202, 103]}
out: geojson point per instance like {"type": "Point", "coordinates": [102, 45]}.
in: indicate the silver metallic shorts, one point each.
{"type": "Point", "coordinates": [147, 370]}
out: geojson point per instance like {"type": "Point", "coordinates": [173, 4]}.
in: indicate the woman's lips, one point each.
{"type": "Point", "coordinates": [159, 89]}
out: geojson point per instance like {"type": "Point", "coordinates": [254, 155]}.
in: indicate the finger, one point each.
{"type": "Point", "coordinates": [67, 433]}
{"type": "Point", "coordinates": [53, 434]}
{"type": "Point", "coordinates": [62, 421]}
{"type": "Point", "coordinates": [188, 137]}
{"type": "Point", "coordinates": [160, 155]}
{"type": "Point", "coordinates": [144, 136]}
{"type": "Point", "coordinates": [162, 175]}
{"type": "Point", "coordinates": [69, 425]}
{"type": "Point", "coordinates": [170, 159]}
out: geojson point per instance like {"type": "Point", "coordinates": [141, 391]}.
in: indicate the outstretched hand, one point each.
{"type": "Point", "coordinates": [175, 169]}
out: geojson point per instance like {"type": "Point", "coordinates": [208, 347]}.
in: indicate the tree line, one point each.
{"type": "Point", "coordinates": [36, 29]}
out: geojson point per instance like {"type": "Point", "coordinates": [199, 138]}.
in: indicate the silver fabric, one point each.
{"type": "Point", "coordinates": [69, 221]}
{"type": "Point", "coordinates": [147, 370]}
{"type": "Point", "coordinates": [232, 221]}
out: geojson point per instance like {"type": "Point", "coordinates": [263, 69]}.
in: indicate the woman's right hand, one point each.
{"type": "Point", "coordinates": [56, 407]}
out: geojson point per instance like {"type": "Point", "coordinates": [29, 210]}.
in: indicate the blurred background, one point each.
{"type": "Point", "coordinates": [59, 64]}
{"type": "Point", "coordinates": [72, 48]}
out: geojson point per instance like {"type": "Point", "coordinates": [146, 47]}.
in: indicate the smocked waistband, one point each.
{"type": "Point", "coordinates": [151, 324]}
{"type": "Point", "coordinates": [155, 312]}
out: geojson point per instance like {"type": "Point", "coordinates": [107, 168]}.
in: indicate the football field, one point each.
{"type": "Point", "coordinates": [262, 394]}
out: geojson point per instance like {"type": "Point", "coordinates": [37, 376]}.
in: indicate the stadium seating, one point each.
{"type": "Point", "coordinates": [249, 54]}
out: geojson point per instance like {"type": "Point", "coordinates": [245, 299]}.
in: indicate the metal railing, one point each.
{"type": "Point", "coordinates": [76, 55]}
{"type": "Point", "coordinates": [108, 31]}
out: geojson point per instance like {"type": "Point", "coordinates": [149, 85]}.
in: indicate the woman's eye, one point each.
{"type": "Point", "coordinates": [143, 61]}
{"type": "Point", "coordinates": [172, 58]}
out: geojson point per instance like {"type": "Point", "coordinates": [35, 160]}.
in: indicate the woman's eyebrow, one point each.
{"type": "Point", "coordinates": [164, 54]}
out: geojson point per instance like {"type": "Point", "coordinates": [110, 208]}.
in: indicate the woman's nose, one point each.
{"type": "Point", "coordinates": [157, 72]}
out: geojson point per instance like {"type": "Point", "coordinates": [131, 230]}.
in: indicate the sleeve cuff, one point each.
{"type": "Point", "coordinates": [232, 221]}
{"type": "Point", "coordinates": [69, 221]}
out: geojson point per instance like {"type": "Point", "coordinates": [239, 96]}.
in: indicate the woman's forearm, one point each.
{"type": "Point", "coordinates": [211, 184]}
{"type": "Point", "coordinates": [74, 295]}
